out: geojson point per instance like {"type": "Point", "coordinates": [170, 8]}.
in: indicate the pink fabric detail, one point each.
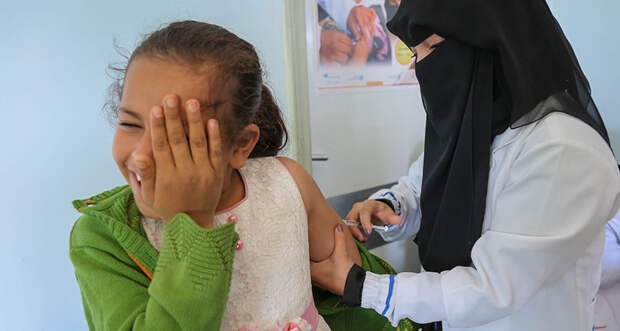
{"type": "Point", "coordinates": [311, 315]}
{"type": "Point", "coordinates": [245, 196]}
{"type": "Point", "coordinates": [291, 327]}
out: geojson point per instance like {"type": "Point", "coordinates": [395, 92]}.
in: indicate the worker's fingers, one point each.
{"type": "Point", "coordinates": [365, 218]}
{"type": "Point", "coordinates": [387, 216]}
{"type": "Point", "coordinates": [357, 233]}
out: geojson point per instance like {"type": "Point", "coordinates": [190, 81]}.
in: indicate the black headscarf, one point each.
{"type": "Point", "coordinates": [503, 64]}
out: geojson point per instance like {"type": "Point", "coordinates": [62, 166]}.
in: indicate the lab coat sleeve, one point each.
{"type": "Point", "coordinates": [557, 200]}
{"type": "Point", "coordinates": [405, 198]}
{"type": "Point", "coordinates": [611, 255]}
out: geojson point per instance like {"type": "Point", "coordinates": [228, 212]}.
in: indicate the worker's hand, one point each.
{"type": "Point", "coordinates": [371, 212]}
{"type": "Point", "coordinates": [361, 22]}
{"type": "Point", "coordinates": [186, 175]}
{"type": "Point", "coordinates": [335, 47]}
{"type": "Point", "coordinates": [331, 274]}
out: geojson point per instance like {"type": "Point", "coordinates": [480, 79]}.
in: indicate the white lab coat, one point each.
{"type": "Point", "coordinates": [607, 308]}
{"type": "Point", "coordinates": [552, 187]}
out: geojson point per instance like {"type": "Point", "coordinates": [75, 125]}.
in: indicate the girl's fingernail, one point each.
{"type": "Point", "coordinates": [339, 228]}
{"type": "Point", "coordinates": [157, 112]}
{"type": "Point", "coordinates": [193, 107]}
{"type": "Point", "coordinates": [368, 231]}
{"type": "Point", "coordinates": [171, 101]}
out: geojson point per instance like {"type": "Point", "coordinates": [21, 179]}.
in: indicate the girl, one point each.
{"type": "Point", "coordinates": [213, 230]}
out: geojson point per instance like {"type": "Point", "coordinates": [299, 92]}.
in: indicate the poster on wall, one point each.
{"type": "Point", "coordinates": [354, 48]}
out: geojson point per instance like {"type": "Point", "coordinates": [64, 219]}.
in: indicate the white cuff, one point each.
{"type": "Point", "coordinates": [417, 296]}
{"type": "Point", "coordinates": [376, 293]}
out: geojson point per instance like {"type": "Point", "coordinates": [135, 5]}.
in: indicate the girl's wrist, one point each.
{"type": "Point", "coordinates": [204, 220]}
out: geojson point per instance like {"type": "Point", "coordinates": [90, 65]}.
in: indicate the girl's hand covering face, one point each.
{"type": "Point", "coordinates": [186, 175]}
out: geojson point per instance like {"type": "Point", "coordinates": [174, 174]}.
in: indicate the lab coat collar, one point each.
{"type": "Point", "coordinates": [509, 136]}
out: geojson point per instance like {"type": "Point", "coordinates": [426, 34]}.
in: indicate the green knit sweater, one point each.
{"type": "Point", "coordinates": [114, 262]}
{"type": "Point", "coordinates": [128, 285]}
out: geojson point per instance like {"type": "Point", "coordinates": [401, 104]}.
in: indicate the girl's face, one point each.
{"type": "Point", "coordinates": [147, 81]}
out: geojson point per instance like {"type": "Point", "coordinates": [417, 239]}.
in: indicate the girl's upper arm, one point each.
{"type": "Point", "coordinates": [321, 217]}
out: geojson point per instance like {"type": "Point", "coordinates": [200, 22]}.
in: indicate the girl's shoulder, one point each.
{"type": "Point", "coordinates": [302, 178]}
{"type": "Point", "coordinates": [274, 163]}
{"type": "Point", "coordinates": [275, 174]}
{"type": "Point", "coordinates": [278, 170]}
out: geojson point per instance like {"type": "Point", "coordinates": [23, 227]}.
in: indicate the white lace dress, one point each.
{"type": "Point", "coordinates": [270, 287]}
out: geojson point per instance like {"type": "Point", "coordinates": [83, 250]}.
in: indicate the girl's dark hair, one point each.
{"type": "Point", "coordinates": [237, 69]}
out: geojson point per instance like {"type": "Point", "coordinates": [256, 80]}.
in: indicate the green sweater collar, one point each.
{"type": "Point", "coordinates": [117, 209]}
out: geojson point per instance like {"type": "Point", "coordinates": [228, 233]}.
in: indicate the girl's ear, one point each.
{"type": "Point", "coordinates": [244, 146]}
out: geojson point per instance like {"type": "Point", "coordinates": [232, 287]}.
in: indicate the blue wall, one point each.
{"type": "Point", "coordinates": [54, 140]}
{"type": "Point", "coordinates": [592, 28]}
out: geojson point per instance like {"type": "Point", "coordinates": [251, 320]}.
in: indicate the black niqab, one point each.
{"type": "Point", "coordinates": [503, 63]}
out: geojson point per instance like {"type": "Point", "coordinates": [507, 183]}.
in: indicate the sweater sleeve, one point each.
{"type": "Point", "coordinates": [189, 289]}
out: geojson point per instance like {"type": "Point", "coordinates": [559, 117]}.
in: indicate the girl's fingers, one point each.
{"type": "Point", "coordinates": [159, 139]}
{"type": "Point", "coordinates": [197, 137]}
{"type": "Point", "coordinates": [215, 145]}
{"type": "Point", "coordinates": [340, 244]}
{"type": "Point", "coordinates": [146, 170]}
{"type": "Point", "coordinates": [176, 133]}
